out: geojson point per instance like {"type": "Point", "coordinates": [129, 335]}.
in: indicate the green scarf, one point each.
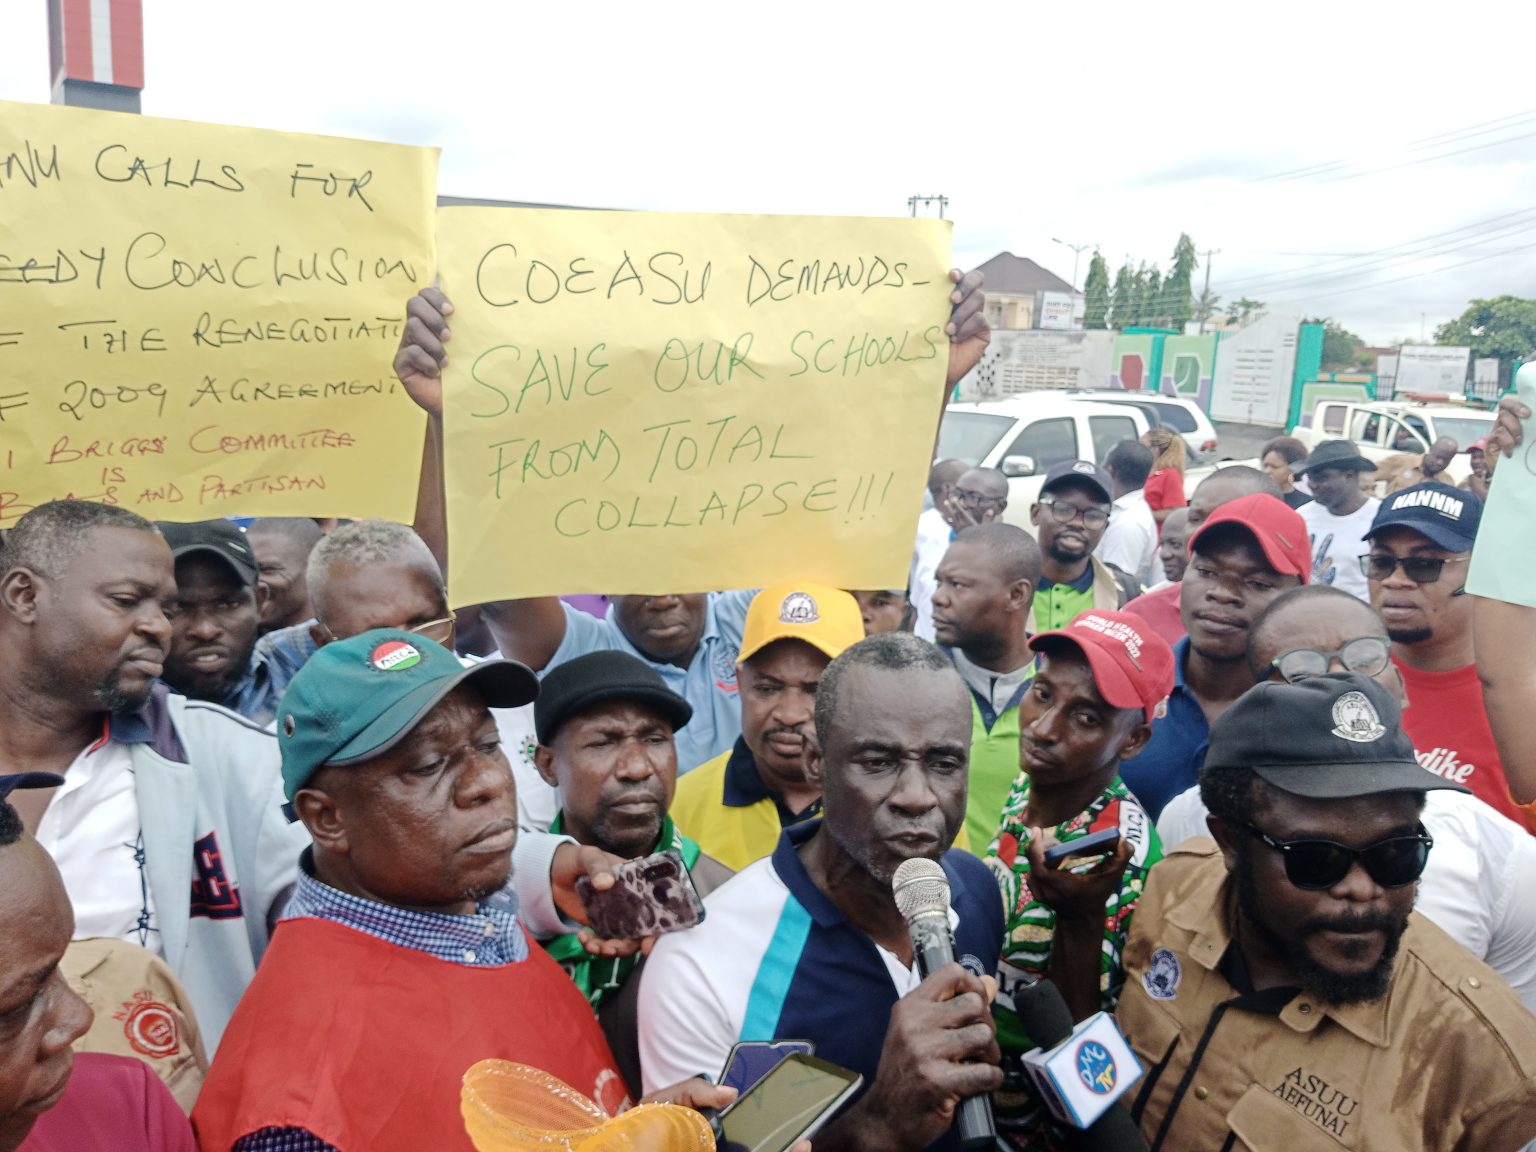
{"type": "Point", "coordinates": [597, 976]}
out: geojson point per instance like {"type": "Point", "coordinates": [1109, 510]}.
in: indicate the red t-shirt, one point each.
{"type": "Point", "coordinates": [1165, 489]}
{"type": "Point", "coordinates": [112, 1104]}
{"type": "Point", "coordinates": [1448, 724]}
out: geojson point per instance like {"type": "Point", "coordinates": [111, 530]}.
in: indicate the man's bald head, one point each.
{"type": "Point", "coordinates": [942, 477]}
{"type": "Point", "coordinates": [1225, 485]}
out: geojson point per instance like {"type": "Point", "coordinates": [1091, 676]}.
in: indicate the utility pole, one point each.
{"type": "Point", "coordinates": [1077, 251]}
{"type": "Point", "coordinates": [941, 201]}
{"type": "Point", "coordinates": [1206, 291]}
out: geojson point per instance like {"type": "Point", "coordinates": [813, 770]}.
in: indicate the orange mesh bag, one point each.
{"type": "Point", "coordinates": [511, 1107]}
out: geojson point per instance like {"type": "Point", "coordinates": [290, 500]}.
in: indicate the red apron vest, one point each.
{"type": "Point", "coordinates": [365, 1044]}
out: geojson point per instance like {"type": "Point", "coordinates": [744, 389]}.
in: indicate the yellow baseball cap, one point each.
{"type": "Point", "coordinates": [826, 618]}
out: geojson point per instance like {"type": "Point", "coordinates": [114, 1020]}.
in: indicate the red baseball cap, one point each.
{"type": "Point", "coordinates": [1279, 529]}
{"type": "Point", "coordinates": [1132, 665]}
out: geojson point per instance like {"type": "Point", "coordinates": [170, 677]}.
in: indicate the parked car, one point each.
{"type": "Point", "coordinates": [1385, 428]}
{"type": "Point", "coordinates": [1025, 436]}
{"type": "Point", "coordinates": [1171, 412]}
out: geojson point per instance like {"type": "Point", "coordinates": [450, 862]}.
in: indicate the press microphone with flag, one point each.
{"type": "Point", "coordinates": [921, 890]}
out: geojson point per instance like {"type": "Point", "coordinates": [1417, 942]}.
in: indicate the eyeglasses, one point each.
{"type": "Point", "coordinates": [438, 631]}
{"type": "Point", "coordinates": [979, 499]}
{"type": "Point", "coordinates": [1419, 569]}
{"type": "Point", "coordinates": [1367, 655]}
{"type": "Point", "coordinates": [1316, 865]}
{"type": "Point", "coordinates": [1064, 513]}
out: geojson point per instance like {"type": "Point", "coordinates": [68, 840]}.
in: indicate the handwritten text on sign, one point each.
{"type": "Point", "coordinates": [198, 320]}
{"type": "Point", "coordinates": [647, 403]}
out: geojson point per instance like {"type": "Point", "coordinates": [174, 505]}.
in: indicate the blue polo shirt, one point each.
{"type": "Point", "coordinates": [1170, 763]}
{"type": "Point", "coordinates": [775, 959]}
{"type": "Point", "coordinates": [708, 683]}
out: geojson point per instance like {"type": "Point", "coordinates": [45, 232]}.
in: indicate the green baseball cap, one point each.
{"type": "Point", "coordinates": [355, 699]}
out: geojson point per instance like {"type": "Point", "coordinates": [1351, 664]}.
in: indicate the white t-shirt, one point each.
{"type": "Point", "coordinates": [1476, 886]}
{"type": "Point", "coordinates": [933, 536]}
{"type": "Point", "coordinates": [1130, 541]}
{"type": "Point", "coordinates": [91, 829]}
{"type": "Point", "coordinates": [1337, 545]}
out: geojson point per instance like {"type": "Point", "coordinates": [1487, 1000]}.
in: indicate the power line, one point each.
{"type": "Point", "coordinates": [1400, 279]}
{"type": "Point", "coordinates": [1479, 230]}
{"type": "Point", "coordinates": [1430, 159]}
{"type": "Point", "coordinates": [1335, 170]}
{"type": "Point", "coordinates": [1388, 263]}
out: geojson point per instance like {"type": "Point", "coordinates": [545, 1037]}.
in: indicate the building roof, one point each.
{"type": "Point", "coordinates": [1010, 275]}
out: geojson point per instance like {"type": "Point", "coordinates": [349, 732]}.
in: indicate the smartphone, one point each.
{"type": "Point", "coordinates": [790, 1103]}
{"type": "Point", "coordinates": [751, 1060]}
{"type": "Point", "coordinates": [650, 896]}
{"type": "Point", "coordinates": [1094, 844]}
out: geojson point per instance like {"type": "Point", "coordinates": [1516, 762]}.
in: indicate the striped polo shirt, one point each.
{"type": "Point", "coordinates": [775, 959]}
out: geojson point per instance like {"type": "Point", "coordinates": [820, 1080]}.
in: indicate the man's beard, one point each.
{"type": "Point", "coordinates": [1062, 556]}
{"type": "Point", "coordinates": [1322, 983]}
{"type": "Point", "coordinates": [113, 697]}
{"type": "Point", "coordinates": [1410, 635]}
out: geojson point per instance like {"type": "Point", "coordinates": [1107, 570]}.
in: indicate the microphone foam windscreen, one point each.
{"type": "Point", "coordinates": [920, 888]}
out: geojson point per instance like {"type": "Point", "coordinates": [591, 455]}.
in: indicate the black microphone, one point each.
{"type": "Point", "coordinates": [1047, 1021]}
{"type": "Point", "coordinates": [922, 896]}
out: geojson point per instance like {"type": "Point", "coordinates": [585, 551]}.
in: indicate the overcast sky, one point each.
{"type": "Point", "coordinates": [1112, 124]}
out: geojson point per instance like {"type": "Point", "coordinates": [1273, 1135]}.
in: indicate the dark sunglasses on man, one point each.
{"type": "Point", "coordinates": [1316, 865]}
{"type": "Point", "coordinates": [1420, 569]}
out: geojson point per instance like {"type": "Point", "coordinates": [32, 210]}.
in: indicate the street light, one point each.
{"type": "Point", "coordinates": [1077, 251]}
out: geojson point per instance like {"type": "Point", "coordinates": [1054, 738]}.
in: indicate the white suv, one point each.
{"type": "Point", "coordinates": [1026, 435]}
{"type": "Point", "coordinates": [1171, 412]}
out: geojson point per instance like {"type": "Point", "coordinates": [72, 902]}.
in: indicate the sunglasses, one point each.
{"type": "Point", "coordinates": [1064, 513]}
{"type": "Point", "coordinates": [1316, 865]}
{"type": "Point", "coordinates": [1367, 655]}
{"type": "Point", "coordinates": [1419, 569]}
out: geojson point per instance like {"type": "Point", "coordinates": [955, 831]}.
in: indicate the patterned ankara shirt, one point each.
{"type": "Point", "coordinates": [1030, 925]}
{"type": "Point", "coordinates": [491, 937]}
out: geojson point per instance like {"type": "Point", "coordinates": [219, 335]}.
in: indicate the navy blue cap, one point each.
{"type": "Point", "coordinates": [1085, 472]}
{"type": "Point", "coordinates": [15, 780]}
{"type": "Point", "coordinates": [1444, 515]}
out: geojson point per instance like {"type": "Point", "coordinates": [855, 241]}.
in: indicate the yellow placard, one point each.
{"type": "Point", "coordinates": [648, 403]}
{"type": "Point", "coordinates": [198, 321]}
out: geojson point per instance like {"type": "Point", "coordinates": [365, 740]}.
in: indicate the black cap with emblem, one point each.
{"type": "Point", "coordinates": [1081, 473]}
{"type": "Point", "coordinates": [1325, 737]}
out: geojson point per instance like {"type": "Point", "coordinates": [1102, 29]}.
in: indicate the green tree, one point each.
{"type": "Point", "coordinates": [1207, 306]}
{"type": "Point", "coordinates": [1241, 310]}
{"type": "Point", "coordinates": [1179, 289]}
{"type": "Point", "coordinates": [1096, 293]}
{"type": "Point", "coordinates": [1151, 295]}
{"type": "Point", "coordinates": [1340, 345]}
{"type": "Point", "coordinates": [1122, 306]}
{"type": "Point", "coordinates": [1504, 327]}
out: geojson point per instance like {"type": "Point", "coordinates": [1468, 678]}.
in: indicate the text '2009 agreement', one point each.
{"type": "Point", "coordinates": [645, 402]}
{"type": "Point", "coordinates": [199, 320]}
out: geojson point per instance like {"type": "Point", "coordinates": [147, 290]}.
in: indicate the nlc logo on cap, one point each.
{"type": "Point", "coordinates": [394, 655]}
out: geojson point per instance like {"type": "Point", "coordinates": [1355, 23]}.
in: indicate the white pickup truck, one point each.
{"type": "Point", "coordinates": [1385, 428]}
{"type": "Point", "coordinates": [1025, 436]}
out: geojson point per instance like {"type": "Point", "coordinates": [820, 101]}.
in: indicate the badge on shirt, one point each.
{"type": "Point", "coordinates": [1161, 980]}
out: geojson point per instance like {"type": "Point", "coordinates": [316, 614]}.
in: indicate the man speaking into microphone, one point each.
{"type": "Point", "coordinates": [809, 943]}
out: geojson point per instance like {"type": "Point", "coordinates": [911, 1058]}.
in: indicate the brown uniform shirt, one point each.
{"type": "Point", "coordinates": [1445, 1062]}
{"type": "Point", "coordinates": [141, 1010]}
